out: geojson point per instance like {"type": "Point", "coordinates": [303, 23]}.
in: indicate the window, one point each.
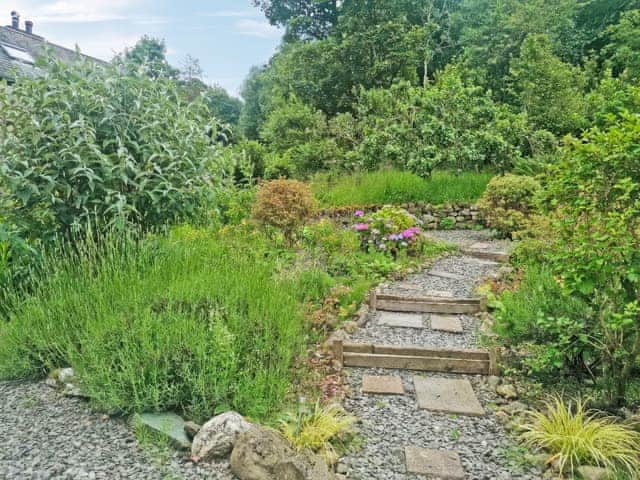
{"type": "Point", "coordinates": [18, 53]}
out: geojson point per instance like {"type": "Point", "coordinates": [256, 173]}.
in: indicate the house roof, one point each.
{"type": "Point", "coordinates": [19, 49]}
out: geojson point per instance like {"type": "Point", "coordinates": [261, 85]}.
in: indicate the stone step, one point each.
{"type": "Point", "coordinates": [486, 251]}
{"type": "Point", "coordinates": [417, 304]}
{"type": "Point", "coordinates": [446, 323]}
{"type": "Point", "coordinates": [446, 360]}
{"type": "Point", "coordinates": [447, 395]}
{"type": "Point", "coordinates": [434, 463]}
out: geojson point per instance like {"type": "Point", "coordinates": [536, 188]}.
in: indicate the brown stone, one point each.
{"type": "Point", "coordinates": [447, 395]}
{"type": "Point", "coordinates": [387, 385]}
{"type": "Point", "coordinates": [446, 323]}
{"type": "Point", "coordinates": [434, 463]}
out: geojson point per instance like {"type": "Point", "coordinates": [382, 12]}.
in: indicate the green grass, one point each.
{"type": "Point", "coordinates": [193, 323]}
{"type": "Point", "coordinates": [396, 187]}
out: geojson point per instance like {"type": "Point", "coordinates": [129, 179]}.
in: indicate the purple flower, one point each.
{"type": "Point", "coordinates": [361, 227]}
{"type": "Point", "coordinates": [359, 213]}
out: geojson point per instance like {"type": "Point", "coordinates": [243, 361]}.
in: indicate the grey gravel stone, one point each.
{"type": "Point", "coordinates": [44, 435]}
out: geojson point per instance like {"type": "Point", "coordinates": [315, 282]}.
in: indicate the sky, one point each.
{"type": "Point", "coordinates": [227, 36]}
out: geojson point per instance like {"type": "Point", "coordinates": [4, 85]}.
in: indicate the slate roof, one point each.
{"type": "Point", "coordinates": [33, 46]}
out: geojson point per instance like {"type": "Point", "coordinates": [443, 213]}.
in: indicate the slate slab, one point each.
{"type": "Point", "coordinates": [168, 424]}
{"type": "Point", "coordinates": [447, 395]}
{"type": "Point", "coordinates": [399, 319]}
{"type": "Point", "coordinates": [446, 323]}
{"type": "Point", "coordinates": [386, 385]}
{"type": "Point", "coordinates": [446, 275]}
{"type": "Point", "coordinates": [434, 463]}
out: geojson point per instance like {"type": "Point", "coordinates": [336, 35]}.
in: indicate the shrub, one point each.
{"type": "Point", "coordinates": [85, 144]}
{"type": "Point", "coordinates": [390, 230]}
{"type": "Point", "coordinates": [575, 436]}
{"type": "Point", "coordinates": [551, 325]}
{"type": "Point", "coordinates": [508, 202]}
{"type": "Point", "coordinates": [318, 430]}
{"type": "Point", "coordinates": [593, 194]}
{"type": "Point", "coordinates": [195, 323]}
{"type": "Point", "coordinates": [285, 205]}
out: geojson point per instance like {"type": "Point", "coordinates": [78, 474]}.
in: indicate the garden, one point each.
{"type": "Point", "coordinates": [158, 256]}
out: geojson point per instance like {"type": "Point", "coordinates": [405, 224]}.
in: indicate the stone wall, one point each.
{"type": "Point", "coordinates": [434, 217]}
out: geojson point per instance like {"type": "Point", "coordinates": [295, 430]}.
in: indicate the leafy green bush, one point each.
{"type": "Point", "coordinates": [387, 187]}
{"type": "Point", "coordinates": [390, 230]}
{"type": "Point", "coordinates": [195, 323]}
{"type": "Point", "coordinates": [285, 205]}
{"type": "Point", "coordinates": [593, 194]}
{"type": "Point", "coordinates": [508, 202]}
{"type": "Point", "coordinates": [85, 144]}
{"type": "Point", "coordinates": [551, 325]}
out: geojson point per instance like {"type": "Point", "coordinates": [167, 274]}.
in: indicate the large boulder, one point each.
{"type": "Point", "coordinates": [262, 454]}
{"type": "Point", "coordinates": [216, 438]}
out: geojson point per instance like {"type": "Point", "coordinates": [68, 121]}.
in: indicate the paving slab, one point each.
{"type": "Point", "coordinates": [434, 463]}
{"type": "Point", "coordinates": [400, 319]}
{"type": "Point", "coordinates": [446, 323]}
{"type": "Point", "coordinates": [439, 293]}
{"type": "Point", "coordinates": [385, 385]}
{"type": "Point", "coordinates": [447, 395]}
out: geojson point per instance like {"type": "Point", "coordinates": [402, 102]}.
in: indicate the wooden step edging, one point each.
{"type": "Point", "coordinates": [447, 360]}
{"type": "Point", "coordinates": [396, 303]}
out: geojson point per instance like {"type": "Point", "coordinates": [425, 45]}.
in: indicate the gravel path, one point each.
{"type": "Point", "coordinates": [45, 436]}
{"type": "Point", "coordinates": [390, 423]}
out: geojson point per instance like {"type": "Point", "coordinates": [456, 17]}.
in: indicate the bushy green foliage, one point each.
{"type": "Point", "coordinates": [549, 90]}
{"type": "Point", "coordinates": [195, 322]}
{"type": "Point", "coordinates": [397, 187]}
{"type": "Point", "coordinates": [85, 144]}
{"type": "Point", "coordinates": [508, 202]}
{"type": "Point", "coordinates": [594, 192]}
{"type": "Point", "coordinates": [548, 323]}
{"type": "Point", "coordinates": [624, 48]}
{"type": "Point", "coordinates": [285, 205]}
{"type": "Point", "coordinates": [391, 230]}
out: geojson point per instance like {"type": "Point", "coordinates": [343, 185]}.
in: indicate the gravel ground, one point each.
{"type": "Point", "coordinates": [470, 270]}
{"type": "Point", "coordinates": [45, 436]}
{"type": "Point", "coordinates": [390, 423]}
{"type": "Point", "coordinates": [374, 333]}
{"type": "Point", "coordinates": [465, 238]}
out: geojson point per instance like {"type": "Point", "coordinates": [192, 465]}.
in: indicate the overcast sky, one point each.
{"type": "Point", "coordinates": [227, 36]}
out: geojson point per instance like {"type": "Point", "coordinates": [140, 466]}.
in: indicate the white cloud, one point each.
{"type": "Point", "coordinates": [233, 13]}
{"type": "Point", "coordinates": [257, 28]}
{"type": "Point", "coordinates": [75, 11]}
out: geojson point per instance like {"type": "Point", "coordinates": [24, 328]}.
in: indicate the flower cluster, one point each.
{"type": "Point", "coordinates": [390, 230]}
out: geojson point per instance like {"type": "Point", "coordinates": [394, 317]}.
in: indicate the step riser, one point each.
{"type": "Point", "coordinates": [492, 256]}
{"type": "Point", "coordinates": [426, 307]}
{"type": "Point", "coordinates": [414, 351]}
{"type": "Point", "coordinates": [426, 364]}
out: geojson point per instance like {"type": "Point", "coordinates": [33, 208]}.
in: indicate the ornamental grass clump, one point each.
{"type": "Point", "coordinates": [574, 436]}
{"type": "Point", "coordinates": [321, 430]}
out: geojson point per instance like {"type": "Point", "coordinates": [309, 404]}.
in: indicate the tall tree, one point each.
{"type": "Point", "coordinates": [150, 54]}
{"type": "Point", "coordinates": [303, 19]}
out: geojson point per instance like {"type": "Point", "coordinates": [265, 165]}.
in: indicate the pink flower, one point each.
{"type": "Point", "coordinates": [361, 227]}
{"type": "Point", "coordinates": [359, 213]}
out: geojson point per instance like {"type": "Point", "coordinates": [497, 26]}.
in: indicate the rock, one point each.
{"type": "Point", "coordinates": [507, 391]}
{"type": "Point", "coordinates": [191, 429]}
{"type": "Point", "coordinates": [493, 382]}
{"type": "Point", "coordinates": [594, 473]}
{"type": "Point", "coordinates": [169, 425]}
{"type": "Point", "coordinates": [515, 408]}
{"type": "Point", "coordinates": [217, 437]}
{"type": "Point", "coordinates": [66, 375]}
{"type": "Point", "coordinates": [350, 327]}
{"type": "Point", "coordinates": [261, 454]}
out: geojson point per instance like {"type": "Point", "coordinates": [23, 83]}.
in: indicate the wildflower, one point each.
{"type": "Point", "coordinates": [361, 227]}
{"type": "Point", "coordinates": [359, 213]}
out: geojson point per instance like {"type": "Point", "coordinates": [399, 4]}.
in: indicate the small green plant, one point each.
{"type": "Point", "coordinates": [447, 223]}
{"type": "Point", "coordinates": [321, 429]}
{"type": "Point", "coordinates": [508, 202]}
{"type": "Point", "coordinates": [390, 229]}
{"type": "Point", "coordinates": [574, 436]}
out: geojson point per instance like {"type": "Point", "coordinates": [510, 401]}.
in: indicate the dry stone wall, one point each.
{"type": "Point", "coordinates": [434, 217]}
